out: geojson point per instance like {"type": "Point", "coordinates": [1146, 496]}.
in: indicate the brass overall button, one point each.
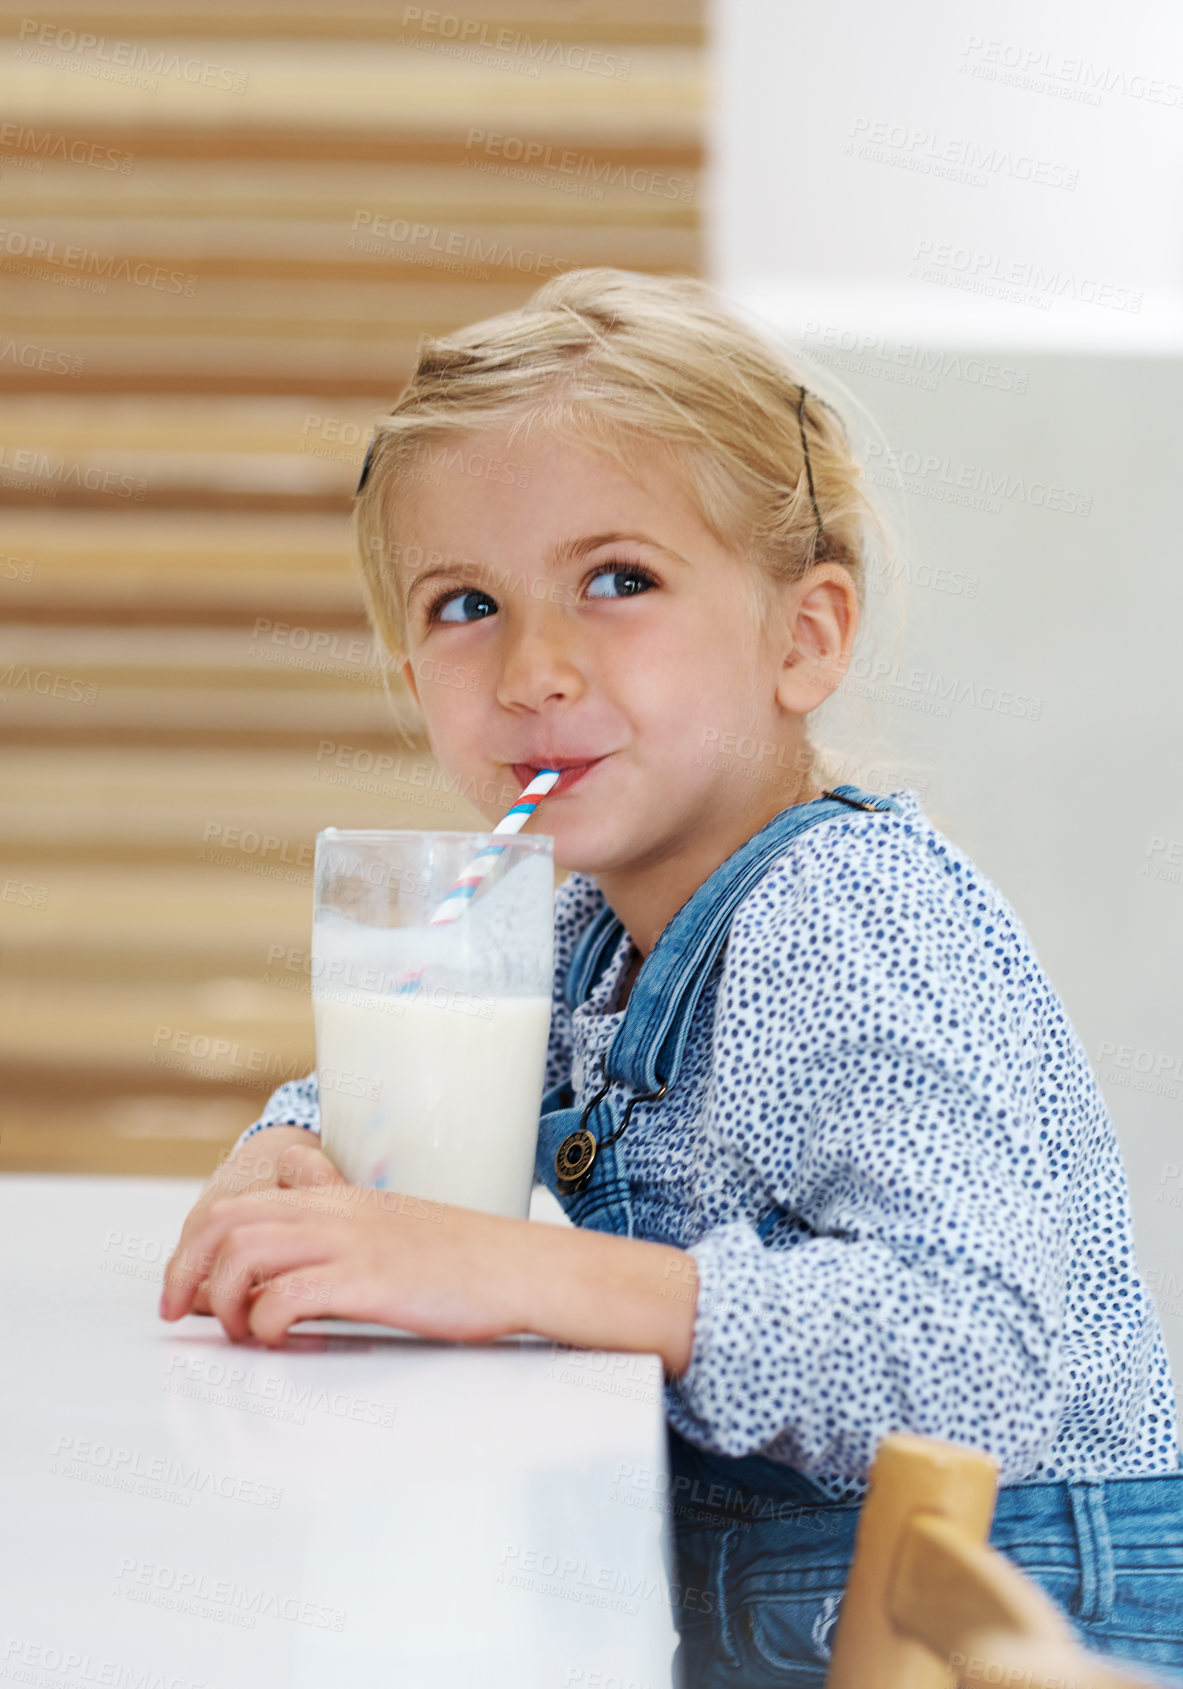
{"type": "Point", "coordinates": [575, 1155]}
{"type": "Point", "coordinates": [578, 1150]}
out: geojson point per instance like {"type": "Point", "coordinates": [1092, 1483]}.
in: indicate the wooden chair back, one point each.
{"type": "Point", "coordinates": [930, 1605]}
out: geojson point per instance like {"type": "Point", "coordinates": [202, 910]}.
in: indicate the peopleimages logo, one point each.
{"type": "Point", "coordinates": [1157, 1073]}
{"type": "Point", "coordinates": [906, 146]}
{"type": "Point", "coordinates": [932, 475]}
{"type": "Point", "coordinates": [876, 679]}
{"type": "Point", "coordinates": [19, 243]}
{"type": "Point", "coordinates": [539, 157]}
{"type": "Point", "coordinates": [46, 684]}
{"type": "Point", "coordinates": [426, 243]}
{"type": "Point", "coordinates": [183, 1589]}
{"type": "Point", "coordinates": [876, 354]}
{"type": "Point", "coordinates": [82, 1456]}
{"type": "Point", "coordinates": [1017, 65]}
{"type": "Point", "coordinates": [54, 473]}
{"type": "Point", "coordinates": [121, 60]}
{"type": "Point", "coordinates": [36, 145]}
{"type": "Point", "coordinates": [990, 272]}
{"type": "Point", "coordinates": [464, 35]}
{"type": "Point", "coordinates": [46, 360]}
{"type": "Point", "coordinates": [254, 1389]}
{"type": "Point", "coordinates": [25, 1660]}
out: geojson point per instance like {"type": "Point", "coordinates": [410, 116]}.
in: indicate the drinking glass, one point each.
{"type": "Point", "coordinates": [431, 1038]}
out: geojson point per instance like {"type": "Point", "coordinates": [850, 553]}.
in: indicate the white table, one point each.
{"type": "Point", "coordinates": [359, 1510]}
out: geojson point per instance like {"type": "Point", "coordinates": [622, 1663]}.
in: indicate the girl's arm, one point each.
{"type": "Point", "coordinates": [597, 1291]}
{"type": "Point", "coordinates": [276, 1257]}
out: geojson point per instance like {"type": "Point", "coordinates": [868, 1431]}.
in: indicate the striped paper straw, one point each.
{"type": "Point", "coordinates": [513, 821]}
{"type": "Point", "coordinates": [462, 892]}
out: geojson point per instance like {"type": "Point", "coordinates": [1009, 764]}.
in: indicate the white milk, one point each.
{"type": "Point", "coordinates": [435, 1094]}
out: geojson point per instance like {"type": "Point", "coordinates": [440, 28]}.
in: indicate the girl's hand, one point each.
{"type": "Point", "coordinates": [279, 1158]}
{"type": "Point", "coordinates": [283, 1255]}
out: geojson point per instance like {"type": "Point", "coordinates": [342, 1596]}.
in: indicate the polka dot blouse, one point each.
{"type": "Point", "coordinates": [879, 1053]}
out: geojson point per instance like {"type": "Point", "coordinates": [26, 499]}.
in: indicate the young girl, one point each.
{"type": "Point", "coordinates": [830, 1143]}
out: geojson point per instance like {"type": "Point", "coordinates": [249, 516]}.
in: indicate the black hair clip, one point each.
{"type": "Point", "coordinates": [365, 468]}
{"type": "Point", "coordinates": [808, 465]}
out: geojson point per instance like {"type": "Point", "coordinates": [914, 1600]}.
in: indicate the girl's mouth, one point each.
{"type": "Point", "coordinates": [524, 773]}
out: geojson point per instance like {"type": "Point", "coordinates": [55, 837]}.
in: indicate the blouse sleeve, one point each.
{"type": "Point", "coordinates": [918, 1280]}
{"type": "Point", "coordinates": [293, 1104]}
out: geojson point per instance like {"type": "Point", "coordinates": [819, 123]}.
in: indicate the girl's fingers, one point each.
{"type": "Point", "coordinates": [268, 1255]}
{"type": "Point", "coordinates": [195, 1255]}
{"type": "Point", "coordinates": [303, 1166]}
{"type": "Point", "coordinates": [183, 1278]}
{"type": "Point", "coordinates": [288, 1298]}
{"type": "Point", "coordinates": [181, 1291]}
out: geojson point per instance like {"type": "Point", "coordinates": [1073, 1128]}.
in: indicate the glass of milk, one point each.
{"type": "Point", "coordinates": [431, 1040]}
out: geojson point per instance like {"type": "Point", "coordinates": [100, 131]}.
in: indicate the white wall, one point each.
{"type": "Point", "coordinates": [854, 140]}
{"type": "Point", "coordinates": [1061, 768]}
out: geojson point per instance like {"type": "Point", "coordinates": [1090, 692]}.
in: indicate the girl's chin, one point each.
{"type": "Point", "coordinates": [584, 849]}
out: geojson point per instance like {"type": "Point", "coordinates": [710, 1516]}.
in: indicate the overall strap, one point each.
{"type": "Point", "coordinates": [592, 954]}
{"type": "Point", "coordinates": [649, 1043]}
{"type": "Point", "coordinates": [646, 1052]}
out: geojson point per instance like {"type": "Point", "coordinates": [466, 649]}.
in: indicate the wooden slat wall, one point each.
{"type": "Point", "coordinates": [177, 454]}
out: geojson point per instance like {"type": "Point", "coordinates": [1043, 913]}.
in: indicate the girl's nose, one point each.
{"type": "Point", "coordinates": [539, 663]}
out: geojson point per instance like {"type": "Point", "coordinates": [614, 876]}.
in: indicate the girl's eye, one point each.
{"type": "Point", "coordinates": [625, 571]}
{"type": "Point", "coordinates": [455, 599]}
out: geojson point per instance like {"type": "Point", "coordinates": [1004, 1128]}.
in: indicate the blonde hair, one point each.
{"type": "Point", "coordinates": [641, 367]}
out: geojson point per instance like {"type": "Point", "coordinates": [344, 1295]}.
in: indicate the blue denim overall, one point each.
{"type": "Point", "coordinates": [761, 1553]}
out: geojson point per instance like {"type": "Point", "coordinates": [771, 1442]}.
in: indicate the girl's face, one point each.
{"type": "Point", "coordinates": [587, 617]}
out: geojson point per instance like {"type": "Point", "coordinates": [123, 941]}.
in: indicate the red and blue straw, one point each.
{"type": "Point", "coordinates": [513, 821]}
{"type": "Point", "coordinates": [462, 892]}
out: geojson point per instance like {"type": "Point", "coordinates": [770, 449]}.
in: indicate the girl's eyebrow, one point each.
{"type": "Point", "coordinates": [567, 551]}
{"type": "Point", "coordinates": [570, 550]}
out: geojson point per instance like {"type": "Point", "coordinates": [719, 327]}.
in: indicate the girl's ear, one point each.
{"type": "Point", "coordinates": [822, 623]}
